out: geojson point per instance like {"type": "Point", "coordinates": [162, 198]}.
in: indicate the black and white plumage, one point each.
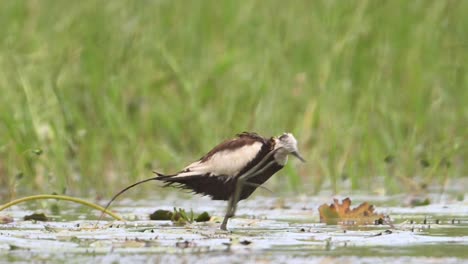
{"type": "Point", "coordinates": [234, 169]}
{"type": "Point", "coordinates": [216, 173]}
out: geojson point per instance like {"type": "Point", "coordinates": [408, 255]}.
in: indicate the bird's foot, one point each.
{"type": "Point", "coordinates": [224, 223]}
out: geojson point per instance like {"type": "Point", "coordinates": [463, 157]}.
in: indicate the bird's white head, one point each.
{"type": "Point", "coordinates": [288, 144]}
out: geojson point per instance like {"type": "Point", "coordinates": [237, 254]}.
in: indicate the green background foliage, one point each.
{"type": "Point", "coordinates": [96, 94]}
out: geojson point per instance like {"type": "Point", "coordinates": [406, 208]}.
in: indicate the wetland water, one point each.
{"type": "Point", "coordinates": [267, 230]}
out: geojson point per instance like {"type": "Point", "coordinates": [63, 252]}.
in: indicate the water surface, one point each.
{"type": "Point", "coordinates": [271, 230]}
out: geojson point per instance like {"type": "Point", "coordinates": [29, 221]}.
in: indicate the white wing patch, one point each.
{"type": "Point", "coordinates": [226, 162]}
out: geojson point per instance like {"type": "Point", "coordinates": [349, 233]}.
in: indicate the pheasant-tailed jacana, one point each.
{"type": "Point", "coordinates": [233, 170]}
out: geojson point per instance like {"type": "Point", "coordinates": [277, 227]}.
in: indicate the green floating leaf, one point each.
{"type": "Point", "coordinates": [161, 215]}
{"type": "Point", "coordinates": [203, 217]}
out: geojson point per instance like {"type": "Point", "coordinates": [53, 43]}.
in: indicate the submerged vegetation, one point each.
{"type": "Point", "coordinates": [96, 94]}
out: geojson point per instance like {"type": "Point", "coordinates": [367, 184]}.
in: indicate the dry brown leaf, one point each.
{"type": "Point", "coordinates": [337, 213]}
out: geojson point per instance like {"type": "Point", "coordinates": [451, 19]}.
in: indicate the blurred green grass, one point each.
{"type": "Point", "coordinates": [96, 94]}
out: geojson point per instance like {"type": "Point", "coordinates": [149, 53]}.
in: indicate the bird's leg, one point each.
{"type": "Point", "coordinates": [234, 199]}
{"type": "Point", "coordinates": [236, 196]}
{"type": "Point", "coordinates": [228, 215]}
{"type": "Point", "coordinates": [251, 173]}
{"type": "Point", "coordinates": [243, 180]}
{"type": "Point", "coordinates": [232, 204]}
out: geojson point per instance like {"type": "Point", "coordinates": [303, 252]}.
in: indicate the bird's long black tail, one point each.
{"type": "Point", "coordinates": [159, 177]}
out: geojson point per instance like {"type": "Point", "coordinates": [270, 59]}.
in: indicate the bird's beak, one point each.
{"type": "Point", "coordinates": [297, 155]}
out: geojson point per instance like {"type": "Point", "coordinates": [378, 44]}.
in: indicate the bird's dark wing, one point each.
{"type": "Point", "coordinates": [218, 188]}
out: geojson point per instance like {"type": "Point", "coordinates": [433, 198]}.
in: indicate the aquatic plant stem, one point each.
{"type": "Point", "coordinates": [60, 197]}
